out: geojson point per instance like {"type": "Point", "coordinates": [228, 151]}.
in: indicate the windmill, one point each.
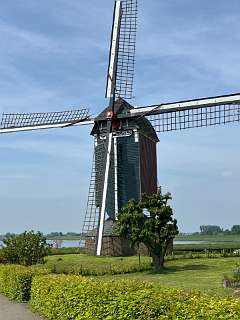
{"type": "Point", "coordinates": [125, 137]}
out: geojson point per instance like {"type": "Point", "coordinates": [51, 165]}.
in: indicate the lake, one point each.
{"type": "Point", "coordinates": [80, 243]}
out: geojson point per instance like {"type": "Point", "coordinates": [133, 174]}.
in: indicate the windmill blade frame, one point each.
{"type": "Point", "coordinates": [187, 105]}
{"type": "Point", "coordinates": [196, 117]}
{"type": "Point", "coordinates": [18, 122]}
{"type": "Point", "coordinates": [127, 49]}
{"type": "Point", "coordinates": [122, 50]}
{"type": "Point", "coordinates": [189, 114]}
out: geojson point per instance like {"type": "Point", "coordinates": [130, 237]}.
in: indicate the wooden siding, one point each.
{"type": "Point", "coordinates": [148, 165]}
{"type": "Point", "coordinates": [128, 170]}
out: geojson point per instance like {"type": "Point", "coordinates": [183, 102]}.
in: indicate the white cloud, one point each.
{"type": "Point", "coordinates": [226, 174]}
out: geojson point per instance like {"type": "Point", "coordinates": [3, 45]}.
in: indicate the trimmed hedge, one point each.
{"type": "Point", "coordinates": [62, 251]}
{"type": "Point", "coordinates": [15, 281]}
{"type": "Point", "coordinates": [73, 297]}
{"type": "Point", "coordinates": [62, 267]}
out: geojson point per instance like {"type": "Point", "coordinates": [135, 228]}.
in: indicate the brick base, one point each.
{"type": "Point", "coordinates": [115, 246]}
{"type": "Point", "coordinates": [112, 246]}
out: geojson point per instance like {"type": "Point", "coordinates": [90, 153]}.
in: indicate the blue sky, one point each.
{"type": "Point", "coordinates": [54, 55]}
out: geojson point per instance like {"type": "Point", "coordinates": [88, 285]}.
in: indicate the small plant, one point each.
{"type": "Point", "coordinates": [236, 272]}
{"type": "Point", "coordinates": [2, 258]}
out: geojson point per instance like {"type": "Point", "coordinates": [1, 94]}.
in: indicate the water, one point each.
{"type": "Point", "coordinates": [63, 243]}
{"type": "Point", "coordinates": [78, 243]}
{"type": "Point", "coordinates": [192, 242]}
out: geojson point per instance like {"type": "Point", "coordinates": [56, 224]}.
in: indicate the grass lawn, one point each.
{"type": "Point", "coordinates": [212, 238]}
{"type": "Point", "coordinates": [202, 274]}
{"type": "Point", "coordinates": [198, 274]}
{"type": "Point", "coordinates": [75, 263]}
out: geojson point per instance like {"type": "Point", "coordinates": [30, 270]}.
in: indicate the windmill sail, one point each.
{"type": "Point", "coordinates": [192, 113]}
{"type": "Point", "coordinates": [127, 49]}
{"type": "Point", "coordinates": [14, 122]}
{"type": "Point", "coordinates": [195, 118]}
{"type": "Point", "coordinates": [123, 49]}
{"type": "Point", "coordinates": [119, 83]}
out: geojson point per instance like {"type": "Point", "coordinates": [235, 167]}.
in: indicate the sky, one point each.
{"type": "Point", "coordinates": [54, 56]}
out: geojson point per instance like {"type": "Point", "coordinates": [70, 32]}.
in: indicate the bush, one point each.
{"type": "Point", "coordinates": [62, 267]}
{"type": "Point", "coordinates": [62, 251]}
{"type": "Point", "coordinates": [2, 258]}
{"type": "Point", "coordinates": [73, 297]}
{"type": "Point", "coordinates": [26, 249]}
{"type": "Point", "coordinates": [15, 281]}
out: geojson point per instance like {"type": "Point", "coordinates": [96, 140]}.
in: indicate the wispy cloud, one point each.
{"type": "Point", "coordinates": [55, 54]}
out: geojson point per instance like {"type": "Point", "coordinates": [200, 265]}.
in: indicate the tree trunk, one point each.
{"type": "Point", "coordinates": [158, 261]}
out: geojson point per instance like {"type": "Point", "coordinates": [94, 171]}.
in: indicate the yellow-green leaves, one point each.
{"type": "Point", "coordinates": [80, 298]}
{"type": "Point", "coordinates": [15, 281]}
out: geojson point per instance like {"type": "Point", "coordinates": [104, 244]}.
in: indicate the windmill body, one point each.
{"type": "Point", "coordinates": [133, 160]}
{"type": "Point", "coordinates": [125, 137]}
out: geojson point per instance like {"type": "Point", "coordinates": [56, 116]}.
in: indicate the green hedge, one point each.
{"type": "Point", "coordinates": [61, 251]}
{"type": "Point", "coordinates": [73, 297]}
{"type": "Point", "coordinates": [15, 281]}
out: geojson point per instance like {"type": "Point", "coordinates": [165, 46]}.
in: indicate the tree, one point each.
{"type": "Point", "coordinates": [235, 229]}
{"type": "Point", "coordinates": [149, 222]}
{"type": "Point", "coordinates": [210, 230]}
{"type": "Point", "coordinates": [26, 249]}
{"type": "Point", "coordinates": [55, 234]}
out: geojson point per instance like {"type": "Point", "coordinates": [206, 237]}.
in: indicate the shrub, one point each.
{"type": "Point", "coordinates": [61, 251]}
{"type": "Point", "coordinates": [26, 249]}
{"type": "Point", "coordinates": [62, 267]}
{"type": "Point", "coordinates": [2, 258]}
{"type": "Point", "coordinates": [15, 281]}
{"type": "Point", "coordinates": [73, 297]}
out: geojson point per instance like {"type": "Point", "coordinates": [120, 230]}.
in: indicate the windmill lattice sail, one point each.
{"type": "Point", "coordinates": [127, 49]}
{"type": "Point", "coordinates": [42, 120]}
{"type": "Point", "coordinates": [195, 118]}
{"type": "Point", "coordinates": [194, 113]}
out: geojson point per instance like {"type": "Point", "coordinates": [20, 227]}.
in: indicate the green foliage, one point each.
{"type": "Point", "coordinates": [234, 277]}
{"type": "Point", "coordinates": [72, 297]}
{"type": "Point", "coordinates": [236, 272]}
{"type": "Point", "coordinates": [149, 222]}
{"type": "Point", "coordinates": [2, 258]}
{"type": "Point", "coordinates": [61, 251]}
{"type": "Point", "coordinates": [210, 229]}
{"type": "Point", "coordinates": [15, 281]}
{"type": "Point", "coordinates": [25, 249]}
{"type": "Point", "coordinates": [235, 229]}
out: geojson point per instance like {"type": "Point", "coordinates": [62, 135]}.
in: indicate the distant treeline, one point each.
{"type": "Point", "coordinates": [204, 230]}
{"type": "Point", "coordinates": [49, 235]}
{"type": "Point", "coordinates": [61, 234]}
{"type": "Point", "coordinates": [214, 230]}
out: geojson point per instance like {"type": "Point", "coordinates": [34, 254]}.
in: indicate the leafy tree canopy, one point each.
{"type": "Point", "coordinates": [235, 229]}
{"type": "Point", "coordinates": [149, 222]}
{"type": "Point", "coordinates": [210, 229]}
{"type": "Point", "coordinates": [26, 249]}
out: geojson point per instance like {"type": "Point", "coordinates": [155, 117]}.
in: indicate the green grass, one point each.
{"type": "Point", "coordinates": [90, 265]}
{"type": "Point", "coordinates": [209, 246]}
{"type": "Point", "coordinates": [212, 238]}
{"type": "Point", "coordinates": [205, 275]}
{"type": "Point", "coordinates": [63, 251]}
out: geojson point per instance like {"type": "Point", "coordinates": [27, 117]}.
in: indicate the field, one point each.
{"type": "Point", "coordinates": [211, 238]}
{"type": "Point", "coordinates": [203, 274]}
{"type": "Point", "coordinates": [90, 265]}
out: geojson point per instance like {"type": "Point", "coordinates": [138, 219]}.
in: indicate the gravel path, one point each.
{"type": "Point", "coordinates": [15, 311]}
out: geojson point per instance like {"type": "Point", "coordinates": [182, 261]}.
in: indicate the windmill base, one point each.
{"type": "Point", "coordinates": [115, 246]}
